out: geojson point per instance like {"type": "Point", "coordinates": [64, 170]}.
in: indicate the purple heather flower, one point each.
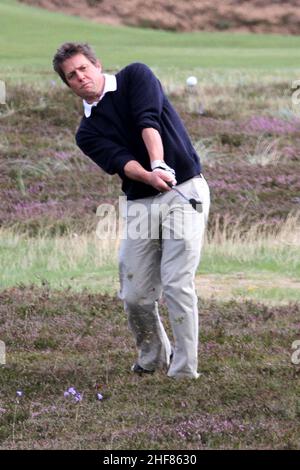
{"type": "Point", "coordinates": [272, 125]}
{"type": "Point", "coordinates": [99, 396]}
{"type": "Point", "coordinates": [75, 395]}
{"type": "Point", "coordinates": [78, 397]}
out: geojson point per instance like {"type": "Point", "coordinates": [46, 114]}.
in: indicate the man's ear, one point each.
{"type": "Point", "coordinates": [99, 65]}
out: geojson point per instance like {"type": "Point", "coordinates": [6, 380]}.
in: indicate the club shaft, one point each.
{"type": "Point", "coordinates": [182, 195]}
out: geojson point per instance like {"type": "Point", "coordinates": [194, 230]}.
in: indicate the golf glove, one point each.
{"type": "Point", "coordinates": [161, 165]}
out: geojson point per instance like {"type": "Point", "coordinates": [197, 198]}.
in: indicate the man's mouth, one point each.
{"type": "Point", "coordinates": [85, 84]}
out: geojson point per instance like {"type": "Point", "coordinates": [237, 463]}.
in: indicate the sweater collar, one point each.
{"type": "Point", "coordinates": [110, 84]}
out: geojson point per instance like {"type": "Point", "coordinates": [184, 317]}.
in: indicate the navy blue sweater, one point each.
{"type": "Point", "coordinates": [112, 135]}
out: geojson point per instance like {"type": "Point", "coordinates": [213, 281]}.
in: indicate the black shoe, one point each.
{"type": "Point", "coordinates": [137, 369]}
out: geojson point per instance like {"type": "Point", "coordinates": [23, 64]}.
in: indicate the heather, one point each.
{"type": "Point", "coordinates": [66, 383]}
{"type": "Point", "coordinates": [250, 159]}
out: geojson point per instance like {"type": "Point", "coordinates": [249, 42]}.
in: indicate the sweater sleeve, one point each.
{"type": "Point", "coordinates": [107, 154]}
{"type": "Point", "coordinates": [145, 97]}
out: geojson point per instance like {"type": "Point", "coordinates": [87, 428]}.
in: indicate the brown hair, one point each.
{"type": "Point", "coordinates": [68, 50]}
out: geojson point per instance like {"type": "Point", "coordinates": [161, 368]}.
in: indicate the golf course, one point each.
{"type": "Point", "coordinates": [62, 324]}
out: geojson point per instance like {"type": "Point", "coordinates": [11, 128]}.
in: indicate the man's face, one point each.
{"type": "Point", "coordinates": [84, 78]}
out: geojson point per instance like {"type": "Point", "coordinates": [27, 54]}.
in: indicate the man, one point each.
{"type": "Point", "coordinates": [130, 128]}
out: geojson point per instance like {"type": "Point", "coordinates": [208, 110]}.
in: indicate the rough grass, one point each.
{"type": "Point", "coordinates": [250, 159]}
{"type": "Point", "coordinates": [255, 262]}
{"type": "Point", "coordinates": [247, 132]}
{"type": "Point", "coordinates": [246, 398]}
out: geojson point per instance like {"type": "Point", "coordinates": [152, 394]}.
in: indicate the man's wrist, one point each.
{"type": "Point", "coordinates": [147, 177]}
{"type": "Point", "coordinates": [156, 164]}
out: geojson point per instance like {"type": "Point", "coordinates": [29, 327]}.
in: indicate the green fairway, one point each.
{"type": "Point", "coordinates": [29, 37]}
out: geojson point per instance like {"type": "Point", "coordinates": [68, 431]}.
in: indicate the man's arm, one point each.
{"type": "Point", "coordinates": [157, 178]}
{"type": "Point", "coordinates": [146, 99]}
{"type": "Point", "coordinates": [116, 159]}
{"type": "Point", "coordinates": [154, 145]}
{"type": "Point", "coordinates": [153, 142]}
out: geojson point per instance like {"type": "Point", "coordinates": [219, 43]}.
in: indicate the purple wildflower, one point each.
{"type": "Point", "coordinates": [99, 396]}
{"type": "Point", "coordinates": [78, 397]}
{"type": "Point", "coordinates": [272, 125]}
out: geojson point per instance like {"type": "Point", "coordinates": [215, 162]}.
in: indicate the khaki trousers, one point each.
{"type": "Point", "coordinates": [159, 254]}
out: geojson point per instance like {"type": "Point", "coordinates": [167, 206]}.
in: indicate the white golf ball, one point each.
{"type": "Point", "coordinates": [191, 81]}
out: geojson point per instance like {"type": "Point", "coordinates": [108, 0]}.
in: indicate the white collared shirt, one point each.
{"type": "Point", "coordinates": [110, 84]}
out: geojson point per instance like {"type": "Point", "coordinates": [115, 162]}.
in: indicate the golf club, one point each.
{"type": "Point", "coordinates": [197, 205]}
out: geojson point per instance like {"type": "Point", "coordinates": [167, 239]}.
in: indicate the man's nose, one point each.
{"type": "Point", "coordinates": [79, 75]}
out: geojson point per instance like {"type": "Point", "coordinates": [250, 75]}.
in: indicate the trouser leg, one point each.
{"type": "Point", "coordinates": [139, 267]}
{"type": "Point", "coordinates": [183, 230]}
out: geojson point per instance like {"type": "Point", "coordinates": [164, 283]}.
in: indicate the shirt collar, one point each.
{"type": "Point", "coordinates": [110, 84]}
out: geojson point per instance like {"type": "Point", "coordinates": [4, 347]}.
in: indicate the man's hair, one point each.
{"type": "Point", "coordinates": [68, 50]}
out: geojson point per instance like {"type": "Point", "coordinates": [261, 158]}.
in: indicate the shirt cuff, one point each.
{"type": "Point", "coordinates": [145, 124]}
{"type": "Point", "coordinates": [122, 161]}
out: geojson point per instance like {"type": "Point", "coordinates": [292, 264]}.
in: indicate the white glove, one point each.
{"type": "Point", "coordinates": [161, 165]}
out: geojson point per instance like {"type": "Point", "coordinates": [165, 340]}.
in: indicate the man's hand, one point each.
{"type": "Point", "coordinates": [158, 179]}
{"type": "Point", "coordinates": [154, 145]}
{"type": "Point", "coordinates": [166, 173]}
{"type": "Point", "coordinates": [161, 165]}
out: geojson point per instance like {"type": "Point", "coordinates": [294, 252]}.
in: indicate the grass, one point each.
{"type": "Point", "coordinates": [275, 294]}
{"type": "Point", "coordinates": [247, 396]}
{"type": "Point", "coordinates": [28, 50]}
{"type": "Point", "coordinates": [254, 251]}
{"type": "Point", "coordinates": [81, 261]}
{"type": "Point", "coordinates": [85, 262]}
{"type": "Point", "coordinates": [60, 327]}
